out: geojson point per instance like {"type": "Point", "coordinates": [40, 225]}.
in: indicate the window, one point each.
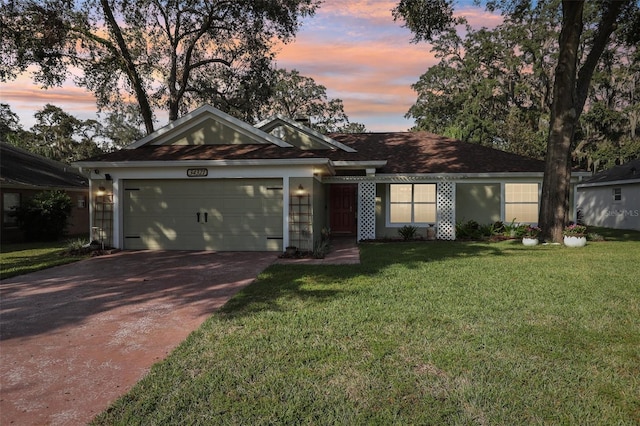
{"type": "Point", "coordinates": [617, 194]}
{"type": "Point", "coordinates": [82, 202]}
{"type": "Point", "coordinates": [412, 203]}
{"type": "Point", "coordinates": [9, 201]}
{"type": "Point", "coordinates": [521, 202]}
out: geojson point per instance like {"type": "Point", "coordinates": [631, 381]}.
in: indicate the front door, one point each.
{"type": "Point", "coordinates": [343, 208]}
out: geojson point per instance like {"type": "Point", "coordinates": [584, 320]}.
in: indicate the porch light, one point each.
{"type": "Point", "coordinates": [300, 191]}
{"type": "Point", "coordinates": [101, 191]}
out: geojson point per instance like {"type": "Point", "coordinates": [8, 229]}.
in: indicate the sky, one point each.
{"type": "Point", "coordinates": [352, 47]}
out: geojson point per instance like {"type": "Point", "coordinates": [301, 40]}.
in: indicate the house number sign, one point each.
{"type": "Point", "coordinates": [200, 172]}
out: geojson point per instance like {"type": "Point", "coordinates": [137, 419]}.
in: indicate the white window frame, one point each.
{"type": "Point", "coordinates": [617, 194]}
{"type": "Point", "coordinates": [388, 203]}
{"type": "Point", "coordinates": [506, 219]}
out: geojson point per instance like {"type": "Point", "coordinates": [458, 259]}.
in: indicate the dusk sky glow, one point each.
{"type": "Point", "coordinates": [353, 48]}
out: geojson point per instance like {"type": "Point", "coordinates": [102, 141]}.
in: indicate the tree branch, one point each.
{"type": "Point", "coordinates": [606, 26]}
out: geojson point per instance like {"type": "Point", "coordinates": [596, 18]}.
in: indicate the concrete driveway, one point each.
{"type": "Point", "coordinates": [76, 337]}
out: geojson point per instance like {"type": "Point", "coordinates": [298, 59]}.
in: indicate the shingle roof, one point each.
{"type": "Point", "coordinates": [627, 171]}
{"type": "Point", "coordinates": [408, 152]}
{"type": "Point", "coordinates": [20, 167]}
{"type": "Point", "coordinates": [422, 152]}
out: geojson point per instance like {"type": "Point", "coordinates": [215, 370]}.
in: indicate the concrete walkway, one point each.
{"type": "Point", "coordinates": [76, 337]}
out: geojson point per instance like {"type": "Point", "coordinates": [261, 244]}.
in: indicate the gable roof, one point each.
{"type": "Point", "coordinates": [278, 120]}
{"type": "Point", "coordinates": [195, 118]}
{"type": "Point", "coordinates": [391, 153]}
{"type": "Point", "coordinates": [628, 172]}
{"type": "Point", "coordinates": [23, 168]}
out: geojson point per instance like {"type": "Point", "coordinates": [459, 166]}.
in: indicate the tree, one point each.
{"type": "Point", "coordinates": [491, 85]}
{"type": "Point", "coordinates": [9, 123]}
{"type": "Point", "coordinates": [45, 216]}
{"type": "Point", "coordinates": [167, 54]}
{"type": "Point", "coordinates": [299, 97]}
{"type": "Point", "coordinates": [429, 19]}
{"type": "Point", "coordinates": [122, 128]}
{"type": "Point", "coordinates": [59, 136]}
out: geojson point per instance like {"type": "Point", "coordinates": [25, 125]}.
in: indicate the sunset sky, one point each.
{"type": "Point", "coordinates": [352, 47]}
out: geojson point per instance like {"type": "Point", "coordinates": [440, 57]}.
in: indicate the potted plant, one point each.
{"type": "Point", "coordinates": [530, 235]}
{"type": "Point", "coordinates": [575, 235]}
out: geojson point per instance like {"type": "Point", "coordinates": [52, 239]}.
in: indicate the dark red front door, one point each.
{"type": "Point", "coordinates": [343, 208]}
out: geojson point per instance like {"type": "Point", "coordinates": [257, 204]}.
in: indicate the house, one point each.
{"type": "Point", "coordinates": [208, 181]}
{"type": "Point", "coordinates": [24, 174]}
{"type": "Point", "coordinates": [612, 198]}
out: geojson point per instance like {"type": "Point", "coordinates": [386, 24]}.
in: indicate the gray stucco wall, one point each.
{"type": "Point", "coordinates": [478, 201]}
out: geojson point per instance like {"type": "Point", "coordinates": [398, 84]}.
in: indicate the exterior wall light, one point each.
{"type": "Point", "coordinates": [101, 191]}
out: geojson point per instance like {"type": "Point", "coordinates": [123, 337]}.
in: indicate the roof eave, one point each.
{"type": "Point", "coordinates": [271, 123]}
{"type": "Point", "coordinates": [609, 183]}
{"type": "Point", "coordinates": [342, 164]}
{"type": "Point", "coordinates": [201, 163]}
{"type": "Point", "coordinates": [191, 119]}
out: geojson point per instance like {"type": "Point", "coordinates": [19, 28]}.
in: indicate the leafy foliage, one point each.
{"type": "Point", "coordinates": [585, 36]}
{"type": "Point", "coordinates": [56, 134]}
{"type": "Point", "coordinates": [169, 55]}
{"type": "Point", "coordinates": [493, 87]}
{"type": "Point", "coordinates": [408, 232]}
{"type": "Point", "coordinates": [299, 97]}
{"type": "Point", "coordinates": [44, 217]}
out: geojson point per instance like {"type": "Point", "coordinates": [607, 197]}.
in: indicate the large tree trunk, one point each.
{"type": "Point", "coordinates": [569, 97]}
{"type": "Point", "coordinates": [554, 206]}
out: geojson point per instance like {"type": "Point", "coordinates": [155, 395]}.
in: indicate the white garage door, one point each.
{"type": "Point", "coordinates": [220, 214]}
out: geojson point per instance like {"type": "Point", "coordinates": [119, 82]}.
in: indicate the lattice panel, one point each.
{"type": "Point", "coordinates": [366, 210]}
{"type": "Point", "coordinates": [446, 203]}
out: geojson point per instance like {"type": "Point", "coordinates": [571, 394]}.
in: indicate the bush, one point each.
{"type": "Point", "coordinates": [408, 232]}
{"type": "Point", "coordinates": [469, 230]}
{"type": "Point", "coordinates": [45, 216]}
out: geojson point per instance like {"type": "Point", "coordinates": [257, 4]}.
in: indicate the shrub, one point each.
{"type": "Point", "coordinates": [45, 216]}
{"type": "Point", "coordinates": [468, 230]}
{"type": "Point", "coordinates": [593, 236]}
{"type": "Point", "coordinates": [408, 232]}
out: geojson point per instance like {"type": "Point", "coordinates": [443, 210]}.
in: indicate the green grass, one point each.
{"type": "Point", "coordinates": [18, 259]}
{"type": "Point", "coordinates": [419, 333]}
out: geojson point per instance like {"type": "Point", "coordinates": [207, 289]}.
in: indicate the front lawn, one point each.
{"type": "Point", "coordinates": [18, 259]}
{"type": "Point", "coordinates": [419, 333]}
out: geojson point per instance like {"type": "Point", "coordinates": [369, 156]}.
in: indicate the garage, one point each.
{"type": "Point", "coordinates": [203, 214]}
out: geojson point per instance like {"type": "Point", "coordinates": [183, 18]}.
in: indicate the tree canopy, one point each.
{"type": "Point", "coordinates": [299, 97]}
{"type": "Point", "coordinates": [169, 55]}
{"type": "Point", "coordinates": [63, 137]}
{"type": "Point", "coordinates": [530, 77]}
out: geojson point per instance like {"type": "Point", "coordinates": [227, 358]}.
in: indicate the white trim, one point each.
{"type": "Point", "coordinates": [360, 164]}
{"type": "Point", "coordinates": [201, 163]}
{"type": "Point", "coordinates": [117, 227]}
{"type": "Point", "coordinates": [433, 177]}
{"type": "Point", "coordinates": [285, 212]}
{"type": "Point", "coordinates": [609, 183]}
{"type": "Point", "coordinates": [390, 224]}
{"type": "Point", "coordinates": [197, 116]}
{"type": "Point", "coordinates": [503, 201]}
{"type": "Point", "coordinates": [278, 120]}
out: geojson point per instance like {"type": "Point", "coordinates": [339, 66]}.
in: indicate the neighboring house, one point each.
{"type": "Point", "coordinates": [612, 198]}
{"type": "Point", "coordinates": [24, 174]}
{"type": "Point", "coordinates": [208, 181]}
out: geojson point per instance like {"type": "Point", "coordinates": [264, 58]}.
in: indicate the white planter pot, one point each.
{"type": "Point", "coordinates": [529, 241]}
{"type": "Point", "coordinates": [575, 241]}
